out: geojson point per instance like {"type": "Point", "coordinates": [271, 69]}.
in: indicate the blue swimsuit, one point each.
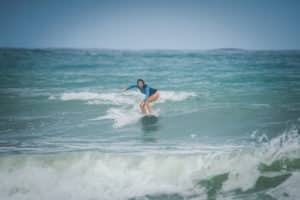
{"type": "Point", "coordinates": [148, 91]}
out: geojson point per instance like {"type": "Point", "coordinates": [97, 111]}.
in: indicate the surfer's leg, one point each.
{"type": "Point", "coordinates": [142, 107]}
{"type": "Point", "coordinates": [152, 98]}
{"type": "Point", "coordinates": [147, 104]}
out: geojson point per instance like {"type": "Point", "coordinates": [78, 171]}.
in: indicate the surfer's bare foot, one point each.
{"type": "Point", "coordinates": [142, 107]}
{"type": "Point", "coordinates": [148, 112]}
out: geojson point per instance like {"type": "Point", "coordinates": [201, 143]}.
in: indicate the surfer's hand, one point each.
{"type": "Point", "coordinates": [124, 89]}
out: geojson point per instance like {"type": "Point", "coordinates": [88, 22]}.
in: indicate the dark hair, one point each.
{"type": "Point", "coordinates": [137, 82]}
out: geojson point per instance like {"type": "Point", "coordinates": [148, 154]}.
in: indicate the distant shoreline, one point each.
{"type": "Point", "coordinates": [126, 49]}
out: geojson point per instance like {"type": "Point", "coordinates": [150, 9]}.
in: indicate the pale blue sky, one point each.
{"type": "Point", "coordinates": [152, 24]}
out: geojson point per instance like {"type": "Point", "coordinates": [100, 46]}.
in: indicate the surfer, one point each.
{"type": "Point", "coordinates": [151, 95]}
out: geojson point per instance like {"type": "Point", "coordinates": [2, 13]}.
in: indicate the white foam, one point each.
{"type": "Point", "coordinates": [94, 175]}
{"type": "Point", "coordinates": [98, 98]}
{"type": "Point", "coordinates": [175, 95]}
{"type": "Point", "coordinates": [91, 176]}
{"type": "Point", "coordinates": [121, 116]}
{"type": "Point", "coordinates": [118, 98]}
{"type": "Point", "coordinates": [129, 111]}
{"type": "Point", "coordinates": [288, 190]}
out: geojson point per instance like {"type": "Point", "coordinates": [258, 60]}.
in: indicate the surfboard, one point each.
{"type": "Point", "coordinates": [149, 122]}
{"type": "Point", "coordinates": [149, 119]}
{"type": "Point", "coordinates": [153, 113]}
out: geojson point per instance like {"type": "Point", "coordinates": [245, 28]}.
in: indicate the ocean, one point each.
{"type": "Point", "coordinates": [226, 125]}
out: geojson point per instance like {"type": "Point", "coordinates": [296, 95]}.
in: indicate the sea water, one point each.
{"type": "Point", "coordinates": [226, 125]}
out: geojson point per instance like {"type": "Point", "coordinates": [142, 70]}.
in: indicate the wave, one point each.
{"type": "Point", "coordinates": [125, 109]}
{"type": "Point", "coordinates": [124, 116]}
{"type": "Point", "coordinates": [121, 116]}
{"type": "Point", "coordinates": [97, 98]}
{"type": "Point", "coordinates": [254, 172]}
{"type": "Point", "coordinates": [119, 98]}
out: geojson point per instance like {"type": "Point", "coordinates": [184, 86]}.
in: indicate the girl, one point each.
{"type": "Point", "coordinates": [151, 95]}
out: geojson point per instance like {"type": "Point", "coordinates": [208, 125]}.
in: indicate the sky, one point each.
{"type": "Point", "coordinates": [150, 24]}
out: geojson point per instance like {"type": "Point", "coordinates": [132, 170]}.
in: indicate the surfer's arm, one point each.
{"type": "Point", "coordinates": [131, 86]}
{"type": "Point", "coordinates": [147, 93]}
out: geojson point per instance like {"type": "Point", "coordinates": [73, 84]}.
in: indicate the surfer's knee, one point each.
{"type": "Point", "coordinates": [142, 105]}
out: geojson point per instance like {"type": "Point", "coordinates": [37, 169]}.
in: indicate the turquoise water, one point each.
{"type": "Point", "coordinates": [226, 127]}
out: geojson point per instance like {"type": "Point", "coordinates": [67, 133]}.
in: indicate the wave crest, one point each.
{"type": "Point", "coordinates": [271, 169]}
{"type": "Point", "coordinates": [118, 98]}
{"type": "Point", "coordinates": [124, 108]}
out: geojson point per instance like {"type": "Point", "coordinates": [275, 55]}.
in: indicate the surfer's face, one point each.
{"type": "Point", "coordinates": [140, 84]}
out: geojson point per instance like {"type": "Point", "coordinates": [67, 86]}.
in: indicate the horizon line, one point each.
{"type": "Point", "coordinates": [149, 49]}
